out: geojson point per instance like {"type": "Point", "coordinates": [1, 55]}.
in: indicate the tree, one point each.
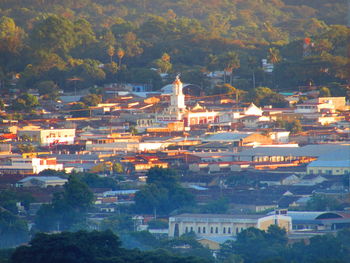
{"type": "Point", "coordinates": [67, 208]}
{"type": "Point", "coordinates": [89, 247]}
{"type": "Point", "coordinates": [11, 36]}
{"type": "Point", "coordinates": [162, 193]}
{"type": "Point", "coordinates": [79, 109]}
{"type": "Point", "coordinates": [48, 89]}
{"type": "Point", "coordinates": [163, 63]}
{"type": "Point", "coordinates": [117, 224]}
{"type": "Point", "coordinates": [77, 194]}
{"type": "Point", "coordinates": [324, 92]}
{"type": "Point", "coordinates": [117, 168]}
{"type": "Point", "coordinates": [13, 231]}
{"type": "Point", "coordinates": [323, 203]}
{"type": "Point", "coordinates": [230, 62]}
{"type": "Point", "coordinates": [54, 34]}
{"type": "Point", "coordinates": [91, 99]}
{"type": "Point", "coordinates": [261, 96]}
{"type": "Point", "coordinates": [69, 247]}
{"type": "Point", "coordinates": [26, 148]}
{"type": "Point", "coordinates": [110, 52]}
{"type": "Point", "coordinates": [274, 55]}
{"type": "Point", "coordinates": [120, 54]}
{"type": "Point", "coordinates": [25, 102]}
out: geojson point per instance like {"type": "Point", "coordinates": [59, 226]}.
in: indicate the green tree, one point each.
{"type": "Point", "coordinates": [26, 148]}
{"type": "Point", "coordinates": [117, 224]}
{"type": "Point", "coordinates": [11, 36]}
{"type": "Point", "coordinates": [48, 89]}
{"type": "Point", "coordinates": [13, 230]}
{"type": "Point", "coordinates": [230, 62]}
{"type": "Point", "coordinates": [261, 96]}
{"type": "Point", "coordinates": [91, 99]}
{"type": "Point", "coordinates": [162, 193]}
{"type": "Point", "coordinates": [26, 102]}
{"type": "Point", "coordinates": [323, 203]}
{"type": "Point", "coordinates": [54, 34]}
{"type": "Point", "coordinates": [77, 194]}
{"type": "Point", "coordinates": [163, 64]}
{"type": "Point", "coordinates": [67, 208]}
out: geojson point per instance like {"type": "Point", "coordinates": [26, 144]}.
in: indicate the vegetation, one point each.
{"type": "Point", "coordinates": [271, 246]}
{"type": "Point", "coordinates": [163, 193]}
{"type": "Point", "coordinates": [67, 208]}
{"type": "Point", "coordinates": [89, 247]}
{"type": "Point", "coordinates": [72, 45]}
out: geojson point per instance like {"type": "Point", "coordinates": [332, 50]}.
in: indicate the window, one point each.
{"type": "Point", "coordinates": [211, 230]}
{"type": "Point", "coordinates": [237, 231]}
{"type": "Point", "coordinates": [191, 229]}
{"type": "Point", "coordinates": [199, 229]}
{"type": "Point", "coordinates": [229, 230]}
{"type": "Point", "coordinates": [186, 230]}
{"type": "Point", "coordinates": [216, 230]}
{"type": "Point", "coordinates": [204, 230]}
{"type": "Point", "coordinates": [224, 230]}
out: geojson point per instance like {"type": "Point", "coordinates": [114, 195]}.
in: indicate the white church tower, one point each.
{"type": "Point", "coordinates": [177, 99]}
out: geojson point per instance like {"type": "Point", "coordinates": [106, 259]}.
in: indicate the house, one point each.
{"type": "Point", "coordinates": [280, 179]}
{"type": "Point", "coordinates": [205, 225]}
{"type": "Point", "coordinates": [41, 181]}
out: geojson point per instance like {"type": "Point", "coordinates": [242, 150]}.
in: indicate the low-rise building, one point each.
{"type": "Point", "coordinates": [28, 165]}
{"type": "Point", "coordinates": [223, 225]}
{"type": "Point", "coordinates": [47, 137]}
{"type": "Point", "coordinates": [41, 181]}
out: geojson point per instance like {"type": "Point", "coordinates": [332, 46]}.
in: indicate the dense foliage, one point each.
{"type": "Point", "coordinates": [67, 208]}
{"type": "Point", "coordinates": [163, 193]}
{"type": "Point", "coordinates": [257, 246]}
{"type": "Point", "coordinates": [77, 44]}
{"type": "Point", "coordinates": [89, 247]}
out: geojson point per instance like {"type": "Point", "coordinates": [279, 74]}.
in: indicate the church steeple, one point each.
{"type": "Point", "coordinates": [177, 102]}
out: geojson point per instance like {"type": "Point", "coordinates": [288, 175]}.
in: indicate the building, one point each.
{"type": "Point", "coordinates": [319, 221]}
{"type": "Point", "coordinates": [331, 162]}
{"type": "Point", "coordinates": [41, 181]}
{"type": "Point", "coordinates": [47, 137]}
{"type": "Point", "coordinates": [223, 225]}
{"type": "Point", "coordinates": [28, 165]}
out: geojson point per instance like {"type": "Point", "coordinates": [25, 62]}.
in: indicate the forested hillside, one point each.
{"type": "Point", "coordinates": [82, 43]}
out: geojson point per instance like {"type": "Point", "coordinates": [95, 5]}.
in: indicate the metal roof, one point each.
{"type": "Point", "coordinates": [226, 136]}
{"type": "Point", "coordinates": [315, 150]}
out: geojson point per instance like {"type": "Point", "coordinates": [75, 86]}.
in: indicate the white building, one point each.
{"type": "Point", "coordinates": [223, 225]}
{"type": "Point", "coordinates": [47, 137]}
{"type": "Point", "coordinates": [29, 165]}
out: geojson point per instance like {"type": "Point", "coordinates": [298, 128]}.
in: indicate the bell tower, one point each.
{"type": "Point", "coordinates": [177, 99]}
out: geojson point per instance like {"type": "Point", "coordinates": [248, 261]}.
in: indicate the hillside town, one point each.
{"type": "Point", "coordinates": [223, 150]}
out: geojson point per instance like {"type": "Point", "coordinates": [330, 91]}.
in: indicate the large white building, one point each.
{"type": "Point", "coordinates": [223, 225]}
{"type": "Point", "coordinates": [29, 165]}
{"type": "Point", "coordinates": [47, 137]}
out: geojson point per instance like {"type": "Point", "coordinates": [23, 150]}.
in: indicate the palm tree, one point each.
{"type": "Point", "coordinates": [110, 52]}
{"type": "Point", "coordinates": [120, 54]}
{"type": "Point", "coordinates": [274, 55]}
{"type": "Point", "coordinates": [230, 61]}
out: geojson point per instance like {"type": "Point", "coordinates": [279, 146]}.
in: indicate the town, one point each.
{"type": "Point", "coordinates": [241, 166]}
{"type": "Point", "coordinates": [174, 131]}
